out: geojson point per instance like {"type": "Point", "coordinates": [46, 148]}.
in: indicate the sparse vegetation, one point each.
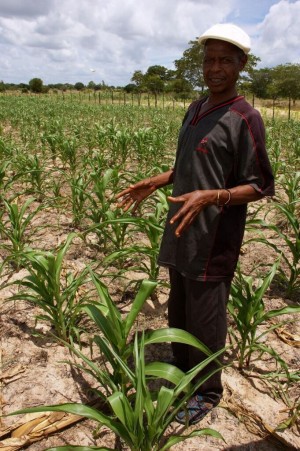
{"type": "Point", "coordinates": [77, 262]}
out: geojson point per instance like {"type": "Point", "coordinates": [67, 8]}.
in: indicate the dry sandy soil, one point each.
{"type": "Point", "coordinates": [33, 373]}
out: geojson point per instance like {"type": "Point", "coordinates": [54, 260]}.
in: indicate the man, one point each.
{"type": "Point", "coordinates": [221, 165]}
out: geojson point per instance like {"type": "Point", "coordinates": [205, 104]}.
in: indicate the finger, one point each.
{"type": "Point", "coordinates": [181, 212]}
{"type": "Point", "coordinates": [177, 199]}
{"type": "Point", "coordinates": [185, 224]}
{"type": "Point", "coordinates": [125, 204]}
{"type": "Point", "coordinates": [127, 191]}
{"type": "Point", "coordinates": [181, 228]}
{"type": "Point", "coordinates": [132, 202]}
{"type": "Point", "coordinates": [122, 193]}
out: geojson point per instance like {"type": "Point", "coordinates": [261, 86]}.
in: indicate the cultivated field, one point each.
{"type": "Point", "coordinates": [83, 303]}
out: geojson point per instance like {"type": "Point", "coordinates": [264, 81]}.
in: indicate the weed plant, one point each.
{"type": "Point", "coordinates": [58, 299]}
{"type": "Point", "coordinates": [136, 413]}
{"type": "Point", "coordinates": [17, 229]}
{"type": "Point", "coordinates": [247, 308]}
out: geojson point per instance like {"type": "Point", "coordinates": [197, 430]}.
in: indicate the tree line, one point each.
{"type": "Point", "coordinates": [282, 81]}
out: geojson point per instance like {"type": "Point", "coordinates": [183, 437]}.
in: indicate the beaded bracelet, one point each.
{"type": "Point", "coordinates": [227, 201]}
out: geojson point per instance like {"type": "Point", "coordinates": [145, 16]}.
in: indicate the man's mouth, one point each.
{"type": "Point", "coordinates": [216, 80]}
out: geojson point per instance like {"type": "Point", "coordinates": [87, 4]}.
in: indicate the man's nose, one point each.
{"type": "Point", "coordinates": [215, 65]}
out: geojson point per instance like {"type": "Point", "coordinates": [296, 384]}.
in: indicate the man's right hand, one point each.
{"type": "Point", "coordinates": [135, 194]}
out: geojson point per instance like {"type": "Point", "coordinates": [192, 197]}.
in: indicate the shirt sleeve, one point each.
{"type": "Point", "coordinates": [253, 166]}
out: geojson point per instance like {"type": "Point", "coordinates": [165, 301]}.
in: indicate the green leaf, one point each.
{"type": "Point", "coordinates": [61, 254]}
{"type": "Point", "coordinates": [114, 316]}
{"type": "Point", "coordinates": [278, 312]}
{"type": "Point", "coordinates": [105, 324]}
{"type": "Point", "coordinates": [144, 292]}
{"type": "Point", "coordinates": [122, 409]}
{"type": "Point", "coordinates": [120, 362]}
{"type": "Point", "coordinates": [173, 440]}
{"type": "Point", "coordinates": [164, 402]}
{"type": "Point", "coordinates": [143, 401]}
{"type": "Point", "coordinates": [176, 336]}
{"type": "Point", "coordinates": [191, 374]}
{"type": "Point", "coordinates": [79, 448]}
{"type": "Point", "coordinates": [164, 371]}
{"type": "Point", "coordinates": [267, 280]}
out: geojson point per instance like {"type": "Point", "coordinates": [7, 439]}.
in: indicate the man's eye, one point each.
{"type": "Point", "coordinates": [226, 60]}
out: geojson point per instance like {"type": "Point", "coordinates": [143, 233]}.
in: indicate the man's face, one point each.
{"type": "Point", "coordinates": [221, 66]}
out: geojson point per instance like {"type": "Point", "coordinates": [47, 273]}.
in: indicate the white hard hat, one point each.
{"type": "Point", "coordinates": [228, 32]}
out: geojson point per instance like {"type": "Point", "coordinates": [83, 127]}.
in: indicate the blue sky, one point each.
{"type": "Point", "coordinates": [62, 40]}
{"type": "Point", "coordinates": [251, 11]}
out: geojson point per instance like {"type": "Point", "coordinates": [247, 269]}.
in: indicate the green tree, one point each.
{"type": "Point", "coordinates": [158, 71]}
{"type": "Point", "coordinates": [98, 87]}
{"type": "Point", "coordinates": [79, 86]}
{"type": "Point", "coordinates": [22, 86]}
{"type": "Point", "coordinates": [154, 83]}
{"type": "Point", "coordinates": [250, 67]}
{"type": "Point", "coordinates": [2, 86]}
{"type": "Point", "coordinates": [180, 87]}
{"type": "Point", "coordinates": [171, 74]}
{"type": "Point", "coordinates": [138, 78]}
{"type": "Point", "coordinates": [153, 80]}
{"type": "Point", "coordinates": [260, 82]}
{"type": "Point", "coordinates": [91, 85]}
{"type": "Point", "coordinates": [286, 80]}
{"type": "Point", "coordinates": [36, 85]}
{"type": "Point", "coordinates": [249, 77]}
{"type": "Point", "coordinates": [59, 86]}
{"type": "Point", "coordinates": [131, 87]}
{"type": "Point", "coordinates": [189, 66]}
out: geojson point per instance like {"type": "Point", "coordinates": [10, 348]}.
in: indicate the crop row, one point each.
{"type": "Point", "coordinates": [66, 161]}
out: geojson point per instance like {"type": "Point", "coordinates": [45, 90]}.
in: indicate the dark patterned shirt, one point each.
{"type": "Point", "coordinates": [221, 148]}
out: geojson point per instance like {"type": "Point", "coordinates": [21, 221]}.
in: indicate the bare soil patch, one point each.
{"type": "Point", "coordinates": [34, 369]}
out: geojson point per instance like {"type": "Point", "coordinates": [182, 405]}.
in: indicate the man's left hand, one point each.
{"type": "Point", "coordinates": [193, 204]}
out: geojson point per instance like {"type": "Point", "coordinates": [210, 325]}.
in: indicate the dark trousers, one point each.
{"type": "Point", "coordinates": [199, 308]}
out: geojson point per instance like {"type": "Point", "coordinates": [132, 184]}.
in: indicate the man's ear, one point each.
{"type": "Point", "coordinates": [243, 61]}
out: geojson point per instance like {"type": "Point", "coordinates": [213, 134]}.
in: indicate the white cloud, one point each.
{"type": "Point", "coordinates": [25, 8]}
{"type": "Point", "coordinates": [279, 35]}
{"type": "Point", "coordinates": [59, 40]}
